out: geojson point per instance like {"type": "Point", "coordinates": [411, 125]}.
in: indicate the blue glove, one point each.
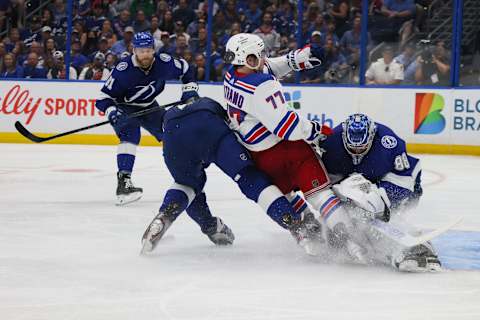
{"type": "Point", "coordinates": [190, 92]}
{"type": "Point", "coordinates": [117, 117]}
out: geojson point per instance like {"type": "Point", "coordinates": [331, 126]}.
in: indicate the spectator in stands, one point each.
{"type": "Point", "coordinates": [331, 33]}
{"type": "Point", "coordinates": [141, 24]}
{"type": "Point", "coordinates": [434, 66]}
{"type": "Point", "coordinates": [316, 38]}
{"type": "Point", "coordinates": [47, 18]}
{"type": "Point", "coordinates": [49, 46]}
{"type": "Point", "coordinates": [46, 33]}
{"type": "Point", "coordinates": [183, 13]}
{"type": "Point", "coordinates": [340, 12]}
{"type": "Point", "coordinates": [269, 35]}
{"type": "Point", "coordinates": [181, 45]}
{"type": "Point", "coordinates": [200, 65]}
{"type": "Point", "coordinates": [102, 47]}
{"type": "Point", "coordinates": [166, 43]}
{"type": "Point", "coordinates": [166, 23]}
{"type": "Point", "coordinates": [397, 20]}
{"type": "Point", "coordinates": [3, 52]}
{"type": "Point", "coordinates": [58, 71]}
{"type": "Point", "coordinates": [4, 7]}
{"type": "Point", "coordinates": [385, 71]}
{"type": "Point", "coordinates": [122, 45]}
{"type": "Point", "coordinates": [232, 13]}
{"type": "Point", "coordinates": [10, 68]}
{"type": "Point", "coordinates": [180, 31]}
{"type": "Point", "coordinates": [108, 32]}
{"type": "Point", "coordinates": [38, 49]}
{"type": "Point", "coordinates": [194, 26]}
{"type": "Point", "coordinates": [33, 31]}
{"type": "Point", "coordinates": [408, 61]}
{"type": "Point", "coordinates": [154, 28]}
{"type": "Point", "coordinates": [117, 6]}
{"type": "Point", "coordinates": [313, 11]}
{"type": "Point", "coordinates": [12, 39]}
{"type": "Point", "coordinates": [253, 16]}
{"type": "Point", "coordinates": [319, 25]}
{"type": "Point", "coordinates": [32, 70]}
{"type": "Point", "coordinates": [162, 7]}
{"type": "Point", "coordinates": [78, 59]}
{"type": "Point", "coordinates": [199, 45]}
{"type": "Point", "coordinates": [83, 7]}
{"type": "Point", "coordinates": [147, 6]}
{"type": "Point", "coordinates": [96, 70]}
{"type": "Point", "coordinates": [284, 19]}
{"type": "Point", "coordinates": [98, 17]}
{"type": "Point", "coordinates": [110, 61]}
{"type": "Point", "coordinates": [350, 42]}
{"type": "Point", "coordinates": [122, 21]}
{"type": "Point", "coordinates": [59, 12]}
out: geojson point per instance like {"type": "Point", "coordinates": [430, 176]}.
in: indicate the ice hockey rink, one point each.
{"type": "Point", "coordinates": [67, 252]}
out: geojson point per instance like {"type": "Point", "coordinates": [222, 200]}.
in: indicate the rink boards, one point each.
{"type": "Point", "coordinates": [431, 121]}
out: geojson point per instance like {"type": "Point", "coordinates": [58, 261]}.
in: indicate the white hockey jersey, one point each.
{"type": "Point", "coordinates": [258, 112]}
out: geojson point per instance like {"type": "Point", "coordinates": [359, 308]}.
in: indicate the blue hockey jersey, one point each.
{"type": "Point", "coordinates": [132, 86]}
{"type": "Point", "coordinates": [202, 104]}
{"type": "Point", "coordinates": [387, 164]}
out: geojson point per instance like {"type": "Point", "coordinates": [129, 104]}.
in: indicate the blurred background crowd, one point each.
{"type": "Point", "coordinates": [409, 42]}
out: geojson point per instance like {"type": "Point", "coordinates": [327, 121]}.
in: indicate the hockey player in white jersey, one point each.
{"type": "Point", "coordinates": [278, 138]}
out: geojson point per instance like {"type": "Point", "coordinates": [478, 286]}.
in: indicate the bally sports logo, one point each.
{"type": "Point", "coordinates": [428, 117]}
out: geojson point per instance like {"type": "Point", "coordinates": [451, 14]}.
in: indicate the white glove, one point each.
{"type": "Point", "coordinates": [302, 59]}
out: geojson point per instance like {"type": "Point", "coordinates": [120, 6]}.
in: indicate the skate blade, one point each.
{"type": "Point", "coordinates": [147, 247]}
{"type": "Point", "coordinates": [126, 199]}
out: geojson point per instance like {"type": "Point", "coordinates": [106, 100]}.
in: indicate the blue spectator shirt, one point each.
{"type": "Point", "coordinates": [17, 73]}
{"type": "Point", "coordinates": [409, 67]}
{"type": "Point", "coordinates": [34, 72]}
{"type": "Point", "coordinates": [400, 5]}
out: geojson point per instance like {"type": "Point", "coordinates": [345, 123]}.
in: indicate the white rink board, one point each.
{"type": "Point", "coordinates": [52, 107]}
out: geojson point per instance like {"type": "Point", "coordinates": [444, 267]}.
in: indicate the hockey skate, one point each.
{"type": "Point", "coordinates": [419, 258]}
{"type": "Point", "coordinates": [220, 234]}
{"type": "Point", "coordinates": [126, 191]}
{"type": "Point", "coordinates": [308, 234]}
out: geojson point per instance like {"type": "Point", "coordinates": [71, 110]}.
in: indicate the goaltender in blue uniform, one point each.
{"type": "Point", "coordinates": [133, 85]}
{"type": "Point", "coordinates": [197, 135]}
{"type": "Point", "coordinates": [372, 149]}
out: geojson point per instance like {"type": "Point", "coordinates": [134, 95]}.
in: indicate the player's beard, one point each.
{"type": "Point", "coordinates": [146, 62]}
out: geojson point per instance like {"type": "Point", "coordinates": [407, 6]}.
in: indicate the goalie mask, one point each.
{"type": "Point", "coordinates": [242, 45]}
{"type": "Point", "coordinates": [358, 133]}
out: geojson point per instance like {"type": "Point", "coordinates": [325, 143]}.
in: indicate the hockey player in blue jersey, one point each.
{"type": "Point", "coordinates": [196, 135]}
{"type": "Point", "coordinates": [135, 83]}
{"type": "Point", "coordinates": [372, 149]}
{"type": "Point", "coordinates": [361, 149]}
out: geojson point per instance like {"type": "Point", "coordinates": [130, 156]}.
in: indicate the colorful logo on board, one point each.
{"type": "Point", "coordinates": [293, 99]}
{"type": "Point", "coordinates": [428, 117]}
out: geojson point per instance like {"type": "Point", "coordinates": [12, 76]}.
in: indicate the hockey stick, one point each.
{"type": "Point", "coordinates": [30, 136]}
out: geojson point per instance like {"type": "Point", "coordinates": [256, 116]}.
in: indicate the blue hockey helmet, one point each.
{"type": "Point", "coordinates": [143, 40]}
{"type": "Point", "coordinates": [358, 133]}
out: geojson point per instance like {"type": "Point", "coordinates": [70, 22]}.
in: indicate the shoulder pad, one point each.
{"type": "Point", "coordinates": [165, 57]}
{"type": "Point", "coordinates": [121, 66]}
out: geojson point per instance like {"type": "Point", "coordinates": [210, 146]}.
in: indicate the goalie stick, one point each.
{"type": "Point", "coordinates": [405, 238]}
{"type": "Point", "coordinates": [30, 136]}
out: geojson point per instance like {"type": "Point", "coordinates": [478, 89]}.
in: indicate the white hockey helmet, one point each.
{"type": "Point", "coordinates": [240, 46]}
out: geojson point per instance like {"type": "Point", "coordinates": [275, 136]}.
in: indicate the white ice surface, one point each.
{"type": "Point", "coordinates": [66, 252]}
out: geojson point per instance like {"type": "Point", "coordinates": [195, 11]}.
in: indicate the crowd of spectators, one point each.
{"type": "Point", "coordinates": [102, 34]}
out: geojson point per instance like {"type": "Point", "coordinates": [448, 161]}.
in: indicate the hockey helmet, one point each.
{"type": "Point", "coordinates": [357, 135]}
{"type": "Point", "coordinates": [143, 40]}
{"type": "Point", "coordinates": [240, 46]}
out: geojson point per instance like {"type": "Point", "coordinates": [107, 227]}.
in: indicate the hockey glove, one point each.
{"type": "Point", "coordinates": [190, 92]}
{"type": "Point", "coordinates": [319, 133]}
{"type": "Point", "coordinates": [117, 117]}
{"type": "Point", "coordinates": [302, 59]}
